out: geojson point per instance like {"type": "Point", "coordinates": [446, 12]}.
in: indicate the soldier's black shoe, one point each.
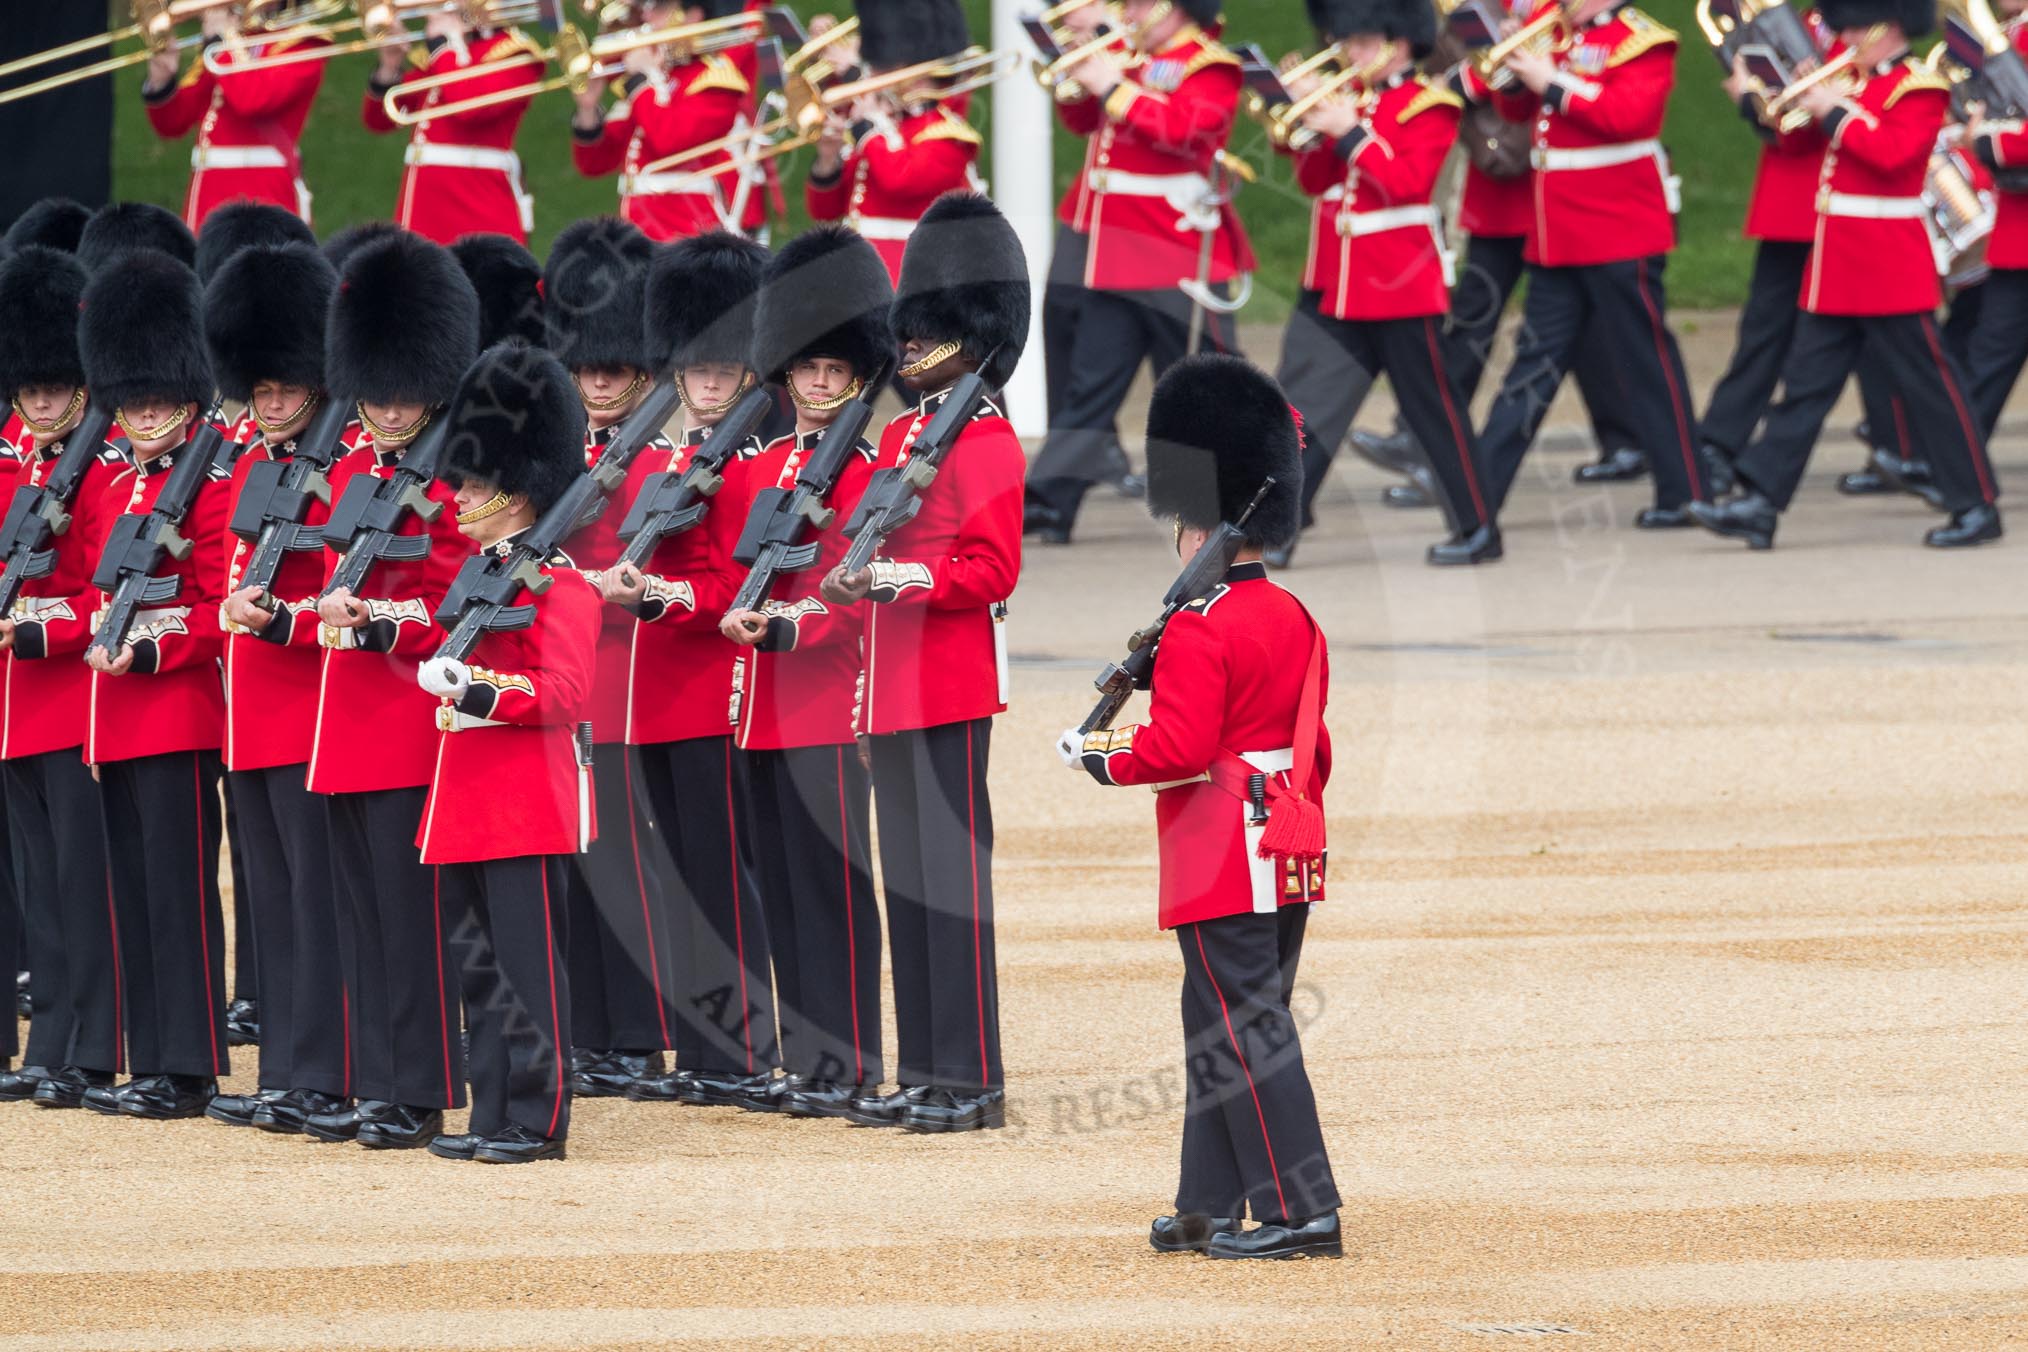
{"type": "Point", "coordinates": [239, 1110]}
{"type": "Point", "coordinates": [726, 1089]}
{"type": "Point", "coordinates": [820, 1098]}
{"type": "Point", "coordinates": [1317, 1237]}
{"type": "Point", "coordinates": [1481, 546]}
{"type": "Point", "coordinates": [401, 1127]}
{"type": "Point", "coordinates": [1394, 451]}
{"type": "Point", "coordinates": [1863, 483]}
{"type": "Point", "coordinates": [108, 1098]}
{"type": "Point", "coordinates": [66, 1087]}
{"type": "Point", "coordinates": [1131, 485]}
{"type": "Point", "coordinates": [1908, 476]}
{"type": "Point", "coordinates": [1189, 1231]}
{"type": "Point", "coordinates": [1662, 518]}
{"type": "Point", "coordinates": [768, 1091]}
{"type": "Point", "coordinates": [17, 1085]}
{"type": "Point", "coordinates": [291, 1113]}
{"type": "Point", "coordinates": [1973, 526]}
{"type": "Point", "coordinates": [168, 1097]}
{"type": "Point", "coordinates": [1046, 523]}
{"type": "Point", "coordinates": [343, 1122]}
{"type": "Point", "coordinates": [1406, 497]}
{"type": "Point", "coordinates": [459, 1147]}
{"type": "Point", "coordinates": [670, 1087]}
{"type": "Point", "coordinates": [243, 1024]}
{"type": "Point", "coordinates": [1614, 466]}
{"type": "Point", "coordinates": [518, 1145]}
{"type": "Point", "coordinates": [884, 1110]}
{"type": "Point", "coordinates": [1720, 478]}
{"type": "Point", "coordinates": [957, 1110]}
{"type": "Point", "coordinates": [1749, 517]}
{"type": "Point", "coordinates": [612, 1072]}
{"type": "Point", "coordinates": [582, 1059]}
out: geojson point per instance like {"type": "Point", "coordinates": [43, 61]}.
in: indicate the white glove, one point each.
{"type": "Point", "coordinates": [444, 676]}
{"type": "Point", "coordinates": [1070, 748]}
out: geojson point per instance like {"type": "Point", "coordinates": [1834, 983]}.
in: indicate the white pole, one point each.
{"type": "Point", "coordinates": [1025, 189]}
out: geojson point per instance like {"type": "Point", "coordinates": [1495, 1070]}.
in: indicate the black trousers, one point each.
{"type": "Point", "coordinates": [1998, 347]}
{"type": "Point", "coordinates": [393, 924]}
{"type": "Point", "coordinates": [620, 953]}
{"type": "Point", "coordinates": [816, 876]}
{"type": "Point", "coordinates": [1062, 304]}
{"type": "Point", "coordinates": [1623, 305]}
{"type": "Point", "coordinates": [1826, 351]}
{"type": "Point", "coordinates": [162, 839]}
{"type": "Point", "coordinates": [724, 995]}
{"type": "Point", "coordinates": [57, 831]}
{"type": "Point", "coordinates": [1887, 415]}
{"type": "Point", "coordinates": [936, 863]}
{"type": "Point", "coordinates": [508, 934]}
{"type": "Point", "coordinates": [1767, 325]}
{"type": "Point", "coordinates": [1250, 1130]}
{"type": "Point", "coordinates": [292, 896]}
{"type": "Point", "coordinates": [1115, 332]}
{"type": "Point", "coordinates": [245, 947]}
{"type": "Point", "coordinates": [1329, 381]}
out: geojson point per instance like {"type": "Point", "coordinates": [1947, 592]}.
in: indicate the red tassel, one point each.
{"type": "Point", "coordinates": [1294, 831]}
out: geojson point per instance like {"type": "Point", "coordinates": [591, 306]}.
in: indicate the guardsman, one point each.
{"type": "Point", "coordinates": [245, 225]}
{"type": "Point", "coordinates": [509, 283]}
{"type": "Point", "coordinates": [1872, 286]}
{"type": "Point", "coordinates": [1604, 224]}
{"type": "Point", "coordinates": [249, 116]}
{"type": "Point", "coordinates": [820, 328]}
{"type": "Point", "coordinates": [1236, 749]}
{"type": "Point", "coordinates": [1999, 342]}
{"type": "Point", "coordinates": [54, 819]}
{"type": "Point", "coordinates": [1157, 215]}
{"type": "Point", "coordinates": [882, 162]}
{"type": "Point", "coordinates": [462, 176]}
{"type": "Point", "coordinates": [508, 805]}
{"type": "Point", "coordinates": [120, 227]}
{"type": "Point", "coordinates": [665, 110]}
{"type": "Point", "coordinates": [934, 604]}
{"type": "Point", "coordinates": [700, 306]}
{"type": "Point", "coordinates": [54, 223]}
{"type": "Point", "coordinates": [265, 315]}
{"type": "Point", "coordinates": [404, 326]}
{"type": "Point", "coordinates": [156, 711]}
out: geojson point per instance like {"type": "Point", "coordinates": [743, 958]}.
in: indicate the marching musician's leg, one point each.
{"type": "Point", "coordinates": [1609, 399]}
{"type": "Point", "coordinates": [1888, 434]}
{"type": "Point", "coordinates": [1999, 346]}
{"type": "Point", "coordinates": [1327, 375]}
{"type": "Point", "coordinates": [1767, 325]}
{"type": "Point", "coordinates": [1492, 269]}
{"type": "Point", "coordinates": [1113, 331]}
{"type": "Point", "coordinates": [1062, 305]}
{"type": "Point", "coordinates": [1946, 427]}
{"type": "Point", "coordinates": [1629, 312]}
{"type": "Point", "coordinates": [1555, 315]}
{"type": "Point", "coordinates": [1412, 353]}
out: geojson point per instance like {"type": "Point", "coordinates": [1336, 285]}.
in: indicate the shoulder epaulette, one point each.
{"type": "Point", "coordinates": [192, 76]}
{"type": "Point", "coordinates": [1918, 78]}
{"type": "Point", "coordinates": [721, 73]}
{"type": "Point", "coordinates": [1204, 603]}
{"type": "Point", "coordinates": [949, 127]}
{"type": "Point", "coordinates": [1430, 96]}
{"type": "Point", "coordinates": [1643, 35]}
{"type": "Point", "coordinates": [1208, 55]}
{"type": "Point", "coordinates": [517, 38]}
{"type": "Point", "coordinates": [292, 44]}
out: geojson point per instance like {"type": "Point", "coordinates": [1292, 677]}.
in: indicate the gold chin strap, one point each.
{"type": "Point", "coordinates": [134, 433]}
{"type": "Point", "coordinates": [620, 400]}
{"type": "Point", "coordinates": [712, 410]}
{"type": "Point", "coordinates": [930, 360]}
{"type": "Point", "coordinates": [826, 405]}
{"type": "Point", "coordinates": [387, 437]}
{"type": "Point", "coordinates": [58, 423]}
{"type": "Point", "coordinates": [272, 430]}
{"type": "Point", "coordinates": [492, 506]}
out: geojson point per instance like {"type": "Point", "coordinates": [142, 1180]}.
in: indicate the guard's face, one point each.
{"type": "Point", "coordinates": [396, 419]}
{"type": "Point", "coordinates": [820, 380]}
{"type": "Point", "coordinates": [43, 405]}
{"type": "Point", "coordinates": [609, 393]}
{"type": "Point", "coordinates": [158, 412]}
{"type": "Point", "coordinates": [485, 514]}
{"type": "Point", "coordinates": [935, 377]}
{"type": "Point", "coordinates": [709, 384]}
{"type": "Point", "coordinates": [282, 409]}
{"type": "Point", "coordinates": [1363, 49]}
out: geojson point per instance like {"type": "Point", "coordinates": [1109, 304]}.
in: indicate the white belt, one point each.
{"type": "Point", "coordinates": [1873, 208]}
{"type": "Point", "coordinates": [236, 157]}
{"type": "Point", "coordinates": [1353, 224]}
{"type": "Point", "coordinates": [462, 157]}
{"type": "Point", "coordinates": [883, 227]}
{"type": "Point", "coordinates": [659, 185]}
{"type": "Point", "coordinates": [1267, 762]}
{"type": "Point", "coordinates": [454, 720]}
{"type": "Point", "coordinates": [1594, 157]}
{"type": "Point", "coordinates": [1336, 194]}
{"type": "Point", "coordinates": [1190, 194]}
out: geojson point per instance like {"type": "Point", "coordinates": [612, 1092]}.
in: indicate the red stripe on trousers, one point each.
{"type": "Point", "coordinates": [443, 1015]}
{"type": "Point", "coordinates": [1669, 375]}
{"type": "Point", "coordinates": [738, 925]}
{"type": "Point", "coordinates": [1443, 383]}
{"type": "Point", "coordinates": [562, 1053]}
{"type": "Point", "coordinates": [978, 954]}
{"type": "Point", "coordinates": [1233, 1038]}
{"type": "Point", "coordinates": [1973, 442]}
{"type": "Point", "coordinates": [119, 981]}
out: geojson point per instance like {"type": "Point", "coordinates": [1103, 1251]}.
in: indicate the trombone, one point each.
{"type": "Point", "coordinates": [155, 20]}
{"type": "Point", "coordinates": [1285, 127]}
{"type": "Point", "coordinates": [1540, 34]}
{"type": "Point", "coordinates": [379, 24]}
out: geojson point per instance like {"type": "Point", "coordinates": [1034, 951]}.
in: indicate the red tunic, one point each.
{"type": "Point", "coordinates": [506, 780]}
{"type": "Point", "coordinates": [1783, 208]}
{"type": "Point", "coordinates": [462, 175]}
{"type": "Point", "coordinates": [1141, 196]}
{"type": "Point", "coordinates": [700, 102]}
{"type": "Point", "coordinates": [934, 630]}
{"type": "Point", "coordinates": [593, 550]}
{"type": "Point", "coordinates": [1228, 680]}
{"type": "Point", "coordinates": [248, 126]}
{"type": "Point", "coordinates": [2006, 147]}
{"type": "Point", "coordinates": [890, 179]}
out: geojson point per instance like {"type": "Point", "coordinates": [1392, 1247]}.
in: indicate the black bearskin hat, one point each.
{"type": "Point", "coordinates": [1203, 13]}
{"type": "Point", "coordinates": [141, 332]}
{"type": "Point", "coordinates": [592, 294]}
{"type": "Point", "coordinates": [964, 278]}
{"type": "Point", "coordinates": [40, 289]}
{"type": "Point", "coordinates": [1414, 20]}
{"type": "Point", "coordinates": [242, 225]}
{"type": "Point", "coordinates": [54, 222]}
{"type": "Point", "coordinates": [516, 423]}
{"type": "Point", "coordinates": [1916, 17]}
{"type": "Point", "coordinates": [1217, 429]}
{"type": "Point", "coordinates": [716, 9]}
{"type": "Point", "coordinates": [404, 325]}
{"type": "Point", "coordinates": [342, 245]}
{"type": "Point", "coordinates": [119, 227]}
{"type": "Point", "coordinates": [509, 283]}
{"type": "Point", "coordinates": [264, 316]}
{"type": "Point", "coordinates": [826, 294]}
{"type": "Point", "coordinates": [701, 297]}
{"type": "Point", "coordinates": [897, 33]}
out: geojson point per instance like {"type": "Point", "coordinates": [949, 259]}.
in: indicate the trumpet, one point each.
{"type": "Point", "coordinates": [1542, 35]}
{"type": "Point", "coordinates": [380, 24]}
{"type": "Point", "coordinates": [1780, 110]}
{"type": "Point", "coordinates": [1057, 73]}
{"type": "Point", "coordinates": [154, 21]}
{"type": "Point", "coordinates": [1286, 127]}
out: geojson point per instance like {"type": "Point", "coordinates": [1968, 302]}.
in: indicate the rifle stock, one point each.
{"type": "Point", "coordinates": [141, 541]}
{"type": "Point", "coordinates": [37, 515]}
{"type": "Point", "coordinates": [894, 496]}
{"type": "Point", "coordinates": [673, 503]}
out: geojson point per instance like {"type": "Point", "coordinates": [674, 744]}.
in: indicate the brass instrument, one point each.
{"type": "Point", "coordinates": [380, 24]}
{"type": "Point", "coordinates": [1286, 127]}
{"type": "Point", "coordinates": [1541, 35]}
{"type": "Point", "coordinates": [1780, 110]}
{"type": "Point", "coordinates": [1057, 73]}
{"type": "Point", "coordinates": [1985, 67]}
{"type": "Point", "coordinates": [155, 24]}
{"type": "Point", "coordinates": [1961, 218]}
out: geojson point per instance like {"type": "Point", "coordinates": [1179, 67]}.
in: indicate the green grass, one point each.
{"type": "Point", "coordinates": [355, 175]}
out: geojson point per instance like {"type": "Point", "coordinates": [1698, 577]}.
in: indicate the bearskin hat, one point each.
{"type": "Point", "coordinates": [54, 222]}
{"type": "Point", "coordinates": [702, 293]}
{"type": "Point", "coordinates": [897, 33]}
{"type": "Point", "coordinates": [509, 283]}
{"type": "Point", "coordinates": [1218, 428]}
{"type": "Point", "coordinates": [119, 227]}
{"type": "Point", "coordinates": [516, 422]}
{"type": "Point", "coordinates": [1203, 13]}
{"type": "Point", "coordinates": [826, 294]}
{"type": "Point", "coordinates": [242, 225]}
{"type": "Point", "coordinates": [40, 289]}
{"type": "Point", "coordinates": [141, 331]}
{"type": "Point", "coordinates": [964, 278]}
{"type": "Point", "coordinates": [264, 317]}
{"type": "Point", "coordinates": [342, 245]}
{"type": "Point", "coordinates": [1414, 20]}
{"type": "Point", "coordinates": [404, 325]}
{"type": "Point", "coordinates": [592, 293]}
{"type": "Point", "coordinates": [716, 9]}
{"type": "Point", "coordinates": [1916, 17]}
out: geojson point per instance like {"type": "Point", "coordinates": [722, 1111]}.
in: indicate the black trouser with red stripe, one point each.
{"type": "Point", "coordinates": [393, 924]}
{"type": "Point", "coordinates": [1622, 305]}
{"type": "Point", "coordinates": [1999, 345]}
{"type": "Point", "coordinates": [816, 876]}
{"type": "Point", "coordinates": [162, 838]}
{"type": "Point", "coordinates": [57, 830]}
{"type": "Point", "coordinates": [1250, 1130]}
{"type": "Point", "coordinates": [1328, 381]}
{"type": "Point", "coordinates": [620, 950]}
{"type": "Point", "coordinates": [724, 996]}
{"type": "Point", "coordinates": [508, 938]}
{"type": "Point", "coordinates": [1887, 415]}
{"type": "Point", "coordinates": [1767, 325]}
{"type": "Point", "coordinates": [936, 864]}
{"type": "Point", "coordinates": [285, 836]}
{"type": "Point", "coordinates": [246, 982]}
{"type": "Point", "coordinates": [1827, 349]}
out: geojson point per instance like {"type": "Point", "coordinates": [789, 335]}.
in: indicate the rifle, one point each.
{"type": "Point", "coordinates": [894, 496]}
{"type": "Point", "coordinates": [141, 541]}
{"type": "Point", "coordinates": [670, 504]}
{"type": "Point", "coordinates": [768, 544]}
{"type": "Point", "coordinates": [480, 598]}
{"type": "Point", "coordinates": [275, 499]}
{"type": "Point", "coordinates": [1205, 571]}
{"type": "Point", "coordinates": [363, 525]}
{"type": "Point", "coordinates": [38, 514]}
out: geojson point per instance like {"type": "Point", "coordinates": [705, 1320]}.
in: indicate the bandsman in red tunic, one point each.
{"type": "Point", "coordinates": [1237, 752]}
{"type": "Point", "coordinates": [509, 804]}
{"type": "Point", "coordinates": [681, 706]}
{"type": "Point", "coordinates": [1999, 343]}
{"type": "Point", "coordinates": [1871, 286]}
